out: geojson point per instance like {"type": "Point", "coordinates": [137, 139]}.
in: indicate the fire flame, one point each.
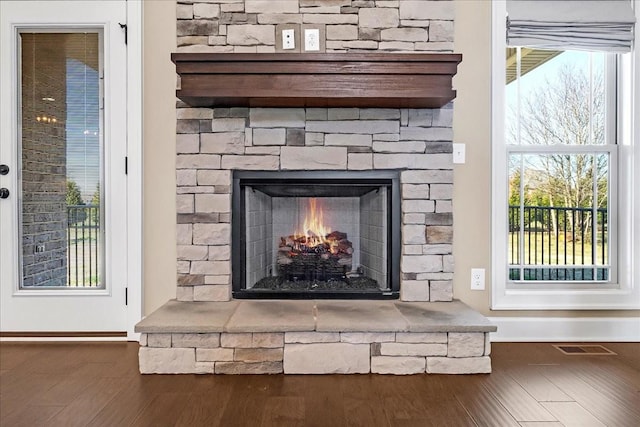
{"type": "Point", "coordinates": [314, 230]}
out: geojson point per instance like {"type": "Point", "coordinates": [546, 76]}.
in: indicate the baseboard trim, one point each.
{"type": "Point", "coordinates": [63, 336]}
{"type": "Point", "coordinates": [566, 329]}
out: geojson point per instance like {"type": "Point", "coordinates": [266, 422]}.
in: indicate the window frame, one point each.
{"type": "Point", "coordinates": [622, 293]}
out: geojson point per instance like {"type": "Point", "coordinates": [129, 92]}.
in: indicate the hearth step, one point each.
{"type": "Point", "coordinates": [315, 337]}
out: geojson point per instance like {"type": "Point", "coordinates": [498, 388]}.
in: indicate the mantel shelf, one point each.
{"type": "Point", "coordinates": [316, 80]}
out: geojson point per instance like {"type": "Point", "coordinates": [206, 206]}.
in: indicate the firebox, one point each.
{"type": "Point", "coordinates": [316, 234]}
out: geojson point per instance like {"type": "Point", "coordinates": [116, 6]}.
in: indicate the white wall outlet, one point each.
{"type": "Point", "coordinates": [288, 39]}
{"type": "Point", "coordinates": [477, 279]}
{"type": "Point", "coordinates": [311, 39]}
{"type": "Point", "coordinates": [458, 153]}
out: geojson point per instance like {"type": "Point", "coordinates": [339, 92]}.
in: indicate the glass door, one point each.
{"type": "Point", "coordinates": [63, 233]}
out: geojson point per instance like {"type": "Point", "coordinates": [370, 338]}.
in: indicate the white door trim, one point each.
{"type": "Point", "coordinates": [135, 171]}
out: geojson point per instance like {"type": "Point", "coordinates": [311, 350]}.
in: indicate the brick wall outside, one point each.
{"type": "Point", "coordinates": [44, 212]}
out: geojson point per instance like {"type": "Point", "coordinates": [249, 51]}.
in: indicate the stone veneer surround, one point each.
{"type": "Point", "coordinates": [213, 141]}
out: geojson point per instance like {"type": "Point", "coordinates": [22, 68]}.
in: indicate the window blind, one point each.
{"type": "Point", "coordinates": [601, 25]}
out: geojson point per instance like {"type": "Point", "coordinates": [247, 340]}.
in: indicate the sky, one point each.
{"type": "Point", "coordinates": [83, 127]}
{"type": "Point", "coordinates": [536, 78]}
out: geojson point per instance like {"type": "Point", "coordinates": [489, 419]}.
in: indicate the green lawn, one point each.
{"type": "Point", "coordinates": [542, 249]}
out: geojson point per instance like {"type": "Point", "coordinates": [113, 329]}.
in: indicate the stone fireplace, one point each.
{"type": "Point", "coordinates": [255, 172]}
{"type": "Point", "coordinates": [213, 142]}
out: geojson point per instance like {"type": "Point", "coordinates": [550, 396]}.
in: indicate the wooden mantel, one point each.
{"type": "Point", "coordinates": [316, 80]}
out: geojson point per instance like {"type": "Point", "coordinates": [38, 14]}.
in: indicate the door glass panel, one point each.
{"type": "Point", "coordinates": [61, 158]}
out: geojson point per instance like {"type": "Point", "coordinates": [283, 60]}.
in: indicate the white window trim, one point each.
{"type": "Point", "coordinates": [626, 292]}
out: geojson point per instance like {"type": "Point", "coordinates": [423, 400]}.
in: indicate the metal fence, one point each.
{"type": "Point", "coordinates": [83, 246]}
{"type": "Point", "coordinates": [543, 237]}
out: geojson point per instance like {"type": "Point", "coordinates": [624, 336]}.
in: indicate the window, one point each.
{"type": "Point", "coordinates": [561, 147]}
{"type": "Point", "coordinates": [562, 123]}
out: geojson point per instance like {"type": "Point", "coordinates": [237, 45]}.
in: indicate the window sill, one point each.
{"type": "Point", "coordinates": [565, 299]}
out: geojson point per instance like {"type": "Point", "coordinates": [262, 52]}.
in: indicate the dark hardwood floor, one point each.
{"type": "Point", "coordinates": [97, 384]}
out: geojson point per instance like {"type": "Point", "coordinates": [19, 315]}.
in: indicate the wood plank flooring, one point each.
{"type": "Point", "coordinates": [533, 384]}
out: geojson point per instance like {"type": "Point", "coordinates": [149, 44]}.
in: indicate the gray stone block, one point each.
{"type": "Point", "coordinates": [329, 19]}
{"type": "Point", "coordinates": [378, 18]}
{"type": "Point", "coordinates": [347, 140]}
{"type": "Point", "coordinates": [250, 162]}
{"type": "Point", "coordinates": [277, 117]}
{"type": "Point", "coordinates": [198, 161]}
{"type": "Point", "coordinates": [166, 360]}
{"type": "Point", "coordinates": [311, 337]}
{"type": "Point", "coordinates": [210, 267]}
{"type": "Point", "coordinates": [243, 368]}
{"type": "Point", "coordinates": [367, 337]}
{"type": "Point", "coordinates": [441, 290]}
{"type": "Point", "coordinates": [342, 32]}
{"type": "Point", "coordinates": [413, 349]}
{"type": "Point", "coordinates": [326, 358]}
{"type": "Point", "coordinates": [414, 290]}
{"type": "Point", "coordinates": [313, 158]}
{"type": "Point", "coordinates": [467, 365]}
{"type": "Point", "coordinates": [360, 161]}
{"type": "Point", "coordinates": [275, 136]}
{"type": "Point", "coordinates": [214, 354]}
{"type": "Point", "coordinates": [413, 234]}
{"type": "Point", "coordinates": [251, 35]}
{"type": "Point", "coordinates": [208, 203]}
{"type": "Point", "coordinates": [222, 143]}
{"type": "Point", "coordinates": [422, 263]}
{"type": "Point", "coordinates": [404, 34]}
{"type": "Point", "coordinates": [271, 6]}
{"type": "Point", "coordinates": [469, 344]}
{"type": "Point", "coordinates": [211, 234]}
{"type": "Point", "coordinates": [353, 126]}
{"type": "Point", "coordinates": [397, 365]}
{"type": "Point", "coordinates": [258, 355]}
{"type": "Point", "coordinates": [195, 340]}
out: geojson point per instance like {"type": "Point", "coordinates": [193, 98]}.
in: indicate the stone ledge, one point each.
{"type": "Point", "coordinates": [314, 316]}
{"type": "Point", "coordinates": [314, 337]}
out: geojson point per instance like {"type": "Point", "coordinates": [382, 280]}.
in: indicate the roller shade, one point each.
{"type": "Point", "coordinates": [602, 25]}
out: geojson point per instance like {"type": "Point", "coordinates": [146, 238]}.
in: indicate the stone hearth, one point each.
{"type": "Point", "coordinates": [315, 337]}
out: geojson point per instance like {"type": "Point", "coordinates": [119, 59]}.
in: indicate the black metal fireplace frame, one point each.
{"type": "Point", "coordinates": [241, 179]}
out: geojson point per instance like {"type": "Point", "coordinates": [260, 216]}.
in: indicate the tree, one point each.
{"type": "Point", "coordinates": [95, 203]}
{"type": "Point", "coordinates": [74, 199]}
{"type": "Point", "coordinates": [568, 110]}
{"type": "Point", "coordinates": [73, 194]}
{"type": "Point", "coordinates": [95, 199]}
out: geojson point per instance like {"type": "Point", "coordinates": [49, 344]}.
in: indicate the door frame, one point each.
{"type": "Point", "coordinates": [134, 178]}
{"type": "Point", "coordinates": [135, 273]}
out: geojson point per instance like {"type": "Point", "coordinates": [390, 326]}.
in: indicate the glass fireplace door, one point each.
{"type": "Point", "coordinates": [314, 238]}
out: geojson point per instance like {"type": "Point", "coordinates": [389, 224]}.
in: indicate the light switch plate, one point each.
{"type": "Point", "coordinates": [458, 153]}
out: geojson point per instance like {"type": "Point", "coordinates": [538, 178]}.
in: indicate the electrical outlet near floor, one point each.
{"type": "Point", "coordinates": [477, 279]}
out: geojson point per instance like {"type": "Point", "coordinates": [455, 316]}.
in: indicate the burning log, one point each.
{"type": "Point", "coordinates": [314, 257]}
{"type": "Point", "coordinates": [337, 235]}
